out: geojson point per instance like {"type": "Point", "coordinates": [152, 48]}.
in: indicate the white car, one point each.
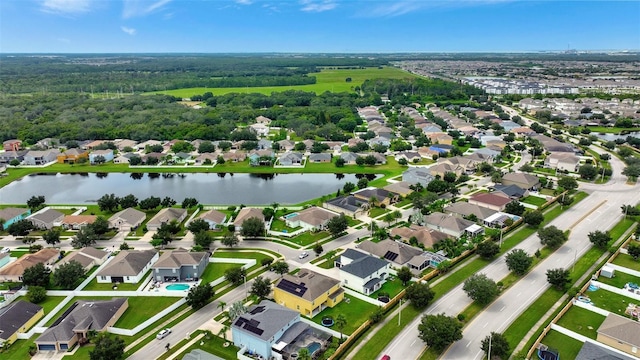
{"type": "Point", "coordinates": [5, 250]}
{"type": "Point", "coordinates": [303, 255]}
{"type": "Point", "coordinates": [163, 333]}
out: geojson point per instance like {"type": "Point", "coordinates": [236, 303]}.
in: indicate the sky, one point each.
{"type": "Point", "coordinates": [316, 26]}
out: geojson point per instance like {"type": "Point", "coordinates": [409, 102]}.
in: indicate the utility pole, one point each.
{"type": "Point", "coordinates": [399, 312]}
{"type": "Point", "coordinates": [489, 355]}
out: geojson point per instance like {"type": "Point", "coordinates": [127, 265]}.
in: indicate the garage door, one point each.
{"type": "Point", "coordinates": [117, 279]}
{"type": "Point", "coordinates": [46, 347]}
{"type": "Point", "coordinates": [64, 347]}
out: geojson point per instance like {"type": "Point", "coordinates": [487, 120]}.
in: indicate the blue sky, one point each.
{"type": "Point", "coordinates": [211, 26]}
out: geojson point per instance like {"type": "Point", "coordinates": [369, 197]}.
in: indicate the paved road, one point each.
{"type": "Point", "coordinates": [516, 299]}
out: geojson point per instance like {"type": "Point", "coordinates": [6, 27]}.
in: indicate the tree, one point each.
{"type": "Point", "coordinates": [107, 347]}
{"type": "Point", "coordinates": [526, 168]}
{"type": "Point", "coordinates": [600, 238]}
{"type": "Point", "coordinates": [230, 240]}
{"type": "Point", "coordinates": [36, 294]}
{"type": "Point", "coordinates": [551, 236]}
{"type": "Point", "coordinates": [630, 210]}
{"type": "Point", "coordinates": [420, 294]}
{"type": "Point", "coordinates": [340, 162]}
{"type": "Point", "coordinates": [558, 278]}
{"type": "Point", "coordinates": [634, 250]}
{"type": "Point", "coordinates": [252, 227]}
{"type": "Point", "coordinates": [188, 203]}
{"type": "Point", "coordinates": [203, 238]}
{"type": "Point", "coordinates": [108, 203]}
{"type": "Point", "coordinates": [303, 354]}
{"type": "Point", "coordinates": [337, 225]}
{"type": "Point", "coordinates": [99, 160]}
{"type": "Point", "coordinates": [348, 187]}
{"type": "Point", "coordinates": [36, 275]}
{"type": "Point", "coordinates": [362, 183]}
{"type": "Point", "coordinates": [280, 267]}
{"type": "Point", "coordinates": [404, 274]}
{"type": "Point", "coordinates": [100, 226]}
{"type": "Point", "coordinates": [499, 346]}
{"type": "Point", "coordinates": [124, 246]}
{"type": "Point", "coordinates": [35, 202]}
{"type": "Point", "coordinates": [150, 203]}
{"type": "Point", "coordinates": [20, 228]}
{"type": "Point", "coordinates": [533, 218]}
{"type": "Point", "coordinates": [480, 289]}
{"type": "Point", "coordinates": [198, 296]}
{"type": "Point", "coordinates": [318, 249]}
{"type": "Point", "coordinates": [198, 225]}
{"type": "Point", "coordinates": [129, 201]}
{"type": "Point", "coordinates": [632, 171]}
{"type": "Point", "coordinates": [206, 147]}
{"type": "Point", "coordinates": [340, 322]}
{"type": "Point", "coordinates": [84, 237]}
{"type": "Point", "coordinates": [514, 208]}
{"type": "Point", "coordinates": [167, 202]}
{"type": "Point", "coordinates": [488, 249]}
{"type": "Point", "coordinates": [261, 287]}
{"type": "Point", "coordinates": [439, 331]}
{"type": "Point", "coordinates": [14, 162]}
{"type": "Point", "coordinates": [235, 275]}
{"type": "Point", "coordinates": [568, 183]}
{"type": "Point", "coordinates": [51, 237]}
{"type": "Point", "coordinates": [68, 274]}
{"type": "Point", "coordinates": [518, 261]}
{"type": "Point", "coordinates": [268, 213]}
{"type": "Point", "coordinates": [588, 172]}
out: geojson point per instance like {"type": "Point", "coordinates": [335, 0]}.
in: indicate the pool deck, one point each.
{"type": "Point", "coordinates": [163, 286]}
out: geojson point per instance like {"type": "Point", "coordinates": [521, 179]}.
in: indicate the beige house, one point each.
{"type": "Point", "coordinates": [77, 222]}
{"type": "Point", "coordinates": [166, 216]}
{"type": "Point", "coordinates": [562, 161]}
{"type": "Point", "coordinates": [13, 272]}
{"type": "Point", "coordinates": [620, 333]}
{"type": "Point", "coordinates": [525, 181]}
{"type": "Point", "coordinates": [247, 213]}
{"type": "Point", "coordinates": [88, 257]}
{"type": "Point", "coordinates": [129, 266]}
{"type": "Point", "coordinates": [127, 219]}
{"type": "Point", "coordinates": [313, 218]}
{"type": "Point", "coordinates": [424, 235]}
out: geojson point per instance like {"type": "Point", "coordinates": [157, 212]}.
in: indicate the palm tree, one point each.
{"type": "Point", "coordinates": [396, 215]}
{"type": "Point", "coordinates": [223, 332]}
{"type": "Point", "coordinates": [222, 305]}
{"type": "Point", "coordinates": [303, 354]}
{"type": "Point", "coordinates": [341, 322]}
{"type": "Point", "coordinates": [372, 203]}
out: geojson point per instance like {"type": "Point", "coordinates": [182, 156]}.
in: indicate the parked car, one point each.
{"type": "Point", "coordinates": [385, 357]}
{"type": "Point", "coordinates": [303, 255]}
{"type": "Point", "coordinates": [5, 250]}
{"type": "Point", "coordinates": [163, 333]}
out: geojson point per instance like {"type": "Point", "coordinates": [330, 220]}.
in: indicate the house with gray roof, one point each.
{"type": "Point", "coordinates": [620, 333]}
{"type": "Point", "coordinates": [88, 257]}
{"type": "Point", "coordinates": [349, 157]}
{"type": "Point", "coordinates": [129, 266]}
{"type": "Point", "coordinates": [213, 217]}
{"type": "Point", "coordinates": [41, 157]}
{"type": "Point", "coordinates": [46, 218]}
{"type": "Point", "coordinates": [365, 274]}
{"type": "Point", "coordinates": [398, 253]}
{"type": "Point", "coordinates": [400, 188]}
{"type": "Point", "coordinates": [591, 350]}
{"type": "Point", "coordinates": [320, 158]}
{"type": "Point", "coordinates": [348, 205]}
{"type": "Point", "coordinates": [127, 220]}
{"type": "Point", "coordinates": [415, 175]}
{"type": "Point", "coordinates": [514, 192]}
{"type": "Point", "coordinates": [291, 159]}
{"type": "Point", "coordinates": [8, 156]}
{"type": "Point", "coordinates": [180, 265]}
{"type": "Point", "coordinates": [449, 224]}
{"type": "Point", "coordinates": [75, 323]}
{"type": "Point", "coordinates": [465, 210]}
{"type": "Point", "coordinates": [166, 216]}
{"type": "Point", "coordinates": [523, 180]}
{"type": "Point", "coordinates": [312, 218]}
{"type": "Point", "coordinates": [198, 354]}
{"type": "Point", "coordinates": [11, 215]}
{"type": "Point", "coordinates": [16, 318]}
{"type": "Point", "coordinates": [381, 196]}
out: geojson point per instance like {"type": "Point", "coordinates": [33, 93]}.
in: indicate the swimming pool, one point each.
{"type": "Point", "coordinates": [313, 347]}
{"type": "Point", "coordinates": [178, 287]}
{"type": "Point", "coordinates": [289, 216]}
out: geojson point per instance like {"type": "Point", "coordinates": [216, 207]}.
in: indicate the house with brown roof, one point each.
{"type": "Point", "coordinates": [13, 272]}
{"type": "Point", "coordinates": [88, 257]}
{"type": "Point", "coordinates": [245, 214]}
{"type": "Point", "coordinates": [441, 169]}
{"type": "Point", "coordinates": [450, 224]}
{"type": "Point", "coordinates": [400, 188]}
{"type": "Point", "coordinates": [398, 253]}
{"type": "Point", "coordinates": [235, 156]}
{"type": "Point", "coordinates": [11, 215]}
{"type": "Point", "coordinates": [440, 138]}
{"type": "Point", "coordinates": [495, 201]}
{"type": "Point", "coordinates": [127, 220]}
{"type": "Point", "coordinates": [562, 161]}
{"type": "Point", "coordinates": [307, 292]}
{"type": "Point", "coordinates": [180, 265]}
{"type": "Point", "coordinates": [313, 218]}
{"type": "Point", "coordinates": [424, 235]}
{"type": "Point", "coordinates": [166, 216]}
{"type": "Point", "coordinates": [213, 217]}
{"type": "Point", "coordinates": [523, 180]}
{"type": "Point", "coordinates": [77, 222]}
{"type": "Point", "coordinates": [465, 210]}
{"type": "Point", "coordinates": [12, 145]}
{"type": "Point", "coordinates": [129, 266]}
{"type": "Point", "coordinates": [620, 333]}
{"type": "Point", "coordinates": [46, 218]}
{"type": "Point", "coordinates": [71, 156]}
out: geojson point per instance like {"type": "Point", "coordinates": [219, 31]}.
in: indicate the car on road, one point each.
{"type": "Point", "coordinates": [163, 333]}
{"type": "Point", "coordinates": [385, 357]}
{"type": "Point", "coordinates": [303, 255]}
{"type": "Point", "coordinates": [5, 250]}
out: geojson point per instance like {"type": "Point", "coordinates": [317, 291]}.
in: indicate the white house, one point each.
{"type": "Point", "coordinates": [362, 272]}
{"type": "Point", "coordinates": [129, 266]}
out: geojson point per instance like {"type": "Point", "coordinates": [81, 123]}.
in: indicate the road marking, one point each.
{"type": "Point", "coordinates": [504, 307]}
{"type": "Point", "coordinates": [485, 325]}
{"type": "Point", "coordinates": [520, 293]}
{"type": "Point", "coordinates": [468, 344]}
{"type": "Point", "coordinates": [533, 282]}
{"type": "Point", "coordinates": [587, 214]}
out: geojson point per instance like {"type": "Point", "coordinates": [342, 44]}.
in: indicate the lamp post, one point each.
{"type": "Point", "coordinates": [489, 355]}
{"type": "Point", "coordinates": [245, 286]}
{"type": "Point", "coordinates": [399, 312]}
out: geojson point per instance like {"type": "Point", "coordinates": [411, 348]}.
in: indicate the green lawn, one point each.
{"type": "Point", "coordinates": [215, 346]}
{"type": "Point", "coordinates": [627, 261]}
{"type": "Point", "coordinates": [582, 321]}
{"type": "Point", "coordinates": [567, 347]}
{"type": "Point", "coordinates": [355, 311]}
{"type": "Point", "coordinates": [19, 350]}
{"type": "Point", "coordinates": [308, 238]}
{"type": "Point", "coordinates": [19, 253]}
{"type": "Point", "coordinates": [50, 303]}
{"type": "Point", "coordinates": [534, 200]}
{"type": "Point", "coordinates": [619, 279]}
{"type": "Point", "coordinates": [377, 211]}
{"type": "Point", "coordinates": [607, 300]}
{"type": "Point", "coordinates": [279, 225]}
{"type": "Point", "coordinates": [392, 288]}
{"type": "Point", "coordinates": [216, 270]}
{"type": "Point", "coordinates": [610, 130]}
{"type": "Point", "coordinates": [95, 285]}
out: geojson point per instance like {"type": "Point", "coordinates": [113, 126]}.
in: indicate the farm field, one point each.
{"type": "Point", "coordinates": [327, 80]}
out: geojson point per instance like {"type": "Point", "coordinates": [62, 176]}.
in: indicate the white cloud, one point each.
{"type": "Point", "coordinates": [244, 2]}
{"type": "Point", "coordinates": [66, 6]}
{"type": "Point", "coordinates": [317, 6]}
{"type": "Point", "coordinates": [127, 30]}
{"type": "Point", "coordinates": [135, 8]}
{"type": "Point", "coordinates": [398, 8]}
{"type": "Point", "coordinates": [64, 40]}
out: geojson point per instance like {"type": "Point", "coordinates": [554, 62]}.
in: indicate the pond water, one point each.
{"type": "Point", "coordinates": [613, 137]}
{"type": "Point", "coordinates": [223, 189]}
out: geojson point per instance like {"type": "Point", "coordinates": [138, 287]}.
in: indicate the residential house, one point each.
{"type": "Point", "coordinates": [362, 272]}
{"type": "Point", "coordinates": [261, 157]}
{"type": "Point", "coordinates": [71, 156]}
{"type": "Point", "coordinates": [122, 144]}
{"type": "Point", "coordinates": [451, 225]}
{"type": "Point", "coordinates": [12, 145]}
{"type": "Point", "coordinates": [264, 144]}
{"type": "Point", "coordinates": [427, 153]}
{"type": "Point", "coordinates": [88, 257]}
{"type": "Point", "coordinates": [349, 205]}
{"type": "Point", "coordinates": [423, 235]}
{"type": "Point", "coordinates": [42, 157]}
{"type": "Point", "coordinates": [307, 292]}
{"type": "Point", "coordinates": [418, 175]}
{"type": "Point", "coordinates": [18, 317]}
{"type": "Point", "coordinates": [11, 215]}
{"type": "Point", "coordinates": [235, 156]}
{"type": "Point", "coordinates": [429, 129]}
{"type": "Point", "coordinates": [400, 188]}
{"type": "Point", "coordinates": [206, 158]}
{"type": "Point", "coordinates": [129, 266]}
{"type": "Point", "coordinates": [399, 253]}
{"type": "Point", "coordinates": [46, 218]}
{"type": "Point", "coordinates": [127, 220]}
{"type": "Point", "coordinates": [143, 145]}
{"type": "Point", "coordinates": [620, 333]}
{"type": "Point", "coordinates": [313, 218]}
{"type": "Point", "coordinates": [213, 217]}
{"type": "Point", "coordinates": [349, 158]}
{"type": "Point", "coordinates": [13, 272]}
{"type": "Point", "coordinates": [592, 350]}
{"type": "Point", "coordinates": [124, 158]}
{"type": "Point", "coordinates": [77, 222]}
{"type": "Point", "coordinates": [180, 265]}
{"type": "Point", "coordinates": [380, 140]}
{"type": "Point", "coordinates": [245, 214]}
{"type": "Point", "coordinates": [48, 143]}
{"type": "Point", "coordinates": [92, 144]}
{"type": "Point", "coordinates": [263, 120]}
{"type": "Point", "coordinates": [441, 149]}
{"type": "Point", "coordinates": [155, 155]}
{"type": "Point", "coordinates": [106, 154]}
{"type": "Point", "coordinates": [509, 125]}
{"type": "Point", "coordinates": [410, 156]}
{"type": "Point", "coordinates": [562, 161]}
{"type": "Point", "coordinates": [81, 318]}
{"type": "Point", "coordinates": [320, 158]}
{"type": "Point", "coordinates": [495, 201]}
{"type": "Point", "coordinates": [261, 130]}
{"type": "Point", "coordinates": [499, 220]}
{"type": "Point", "coordinates": [552, 145]}
{"type": "Point", "coordinates": [381, 196]}
{"type": "Point", "coordinates": [166, 216]}
{"type": "Point", "coordinates": [497, 145]}
{"type": "Point", "coordinates": [291, 159]}
{"type": "Point", "coordinates": [441, 138]}
{"type": "Point", "coordinates": [523, 180]}
{"type": "Point", "coordinates": [9, 156]}
{"type": "Point", "coordinates": [482, 155]}
{"type": "Point", "coordinates": [442, 168]}
{"type": "Point", "coordinates": [286, 145]}
{"type": "Point", "coordinates": [514, 192]}
{"type": "Point", "coordinates": [380, 159]}
{"type": "Point", "coordinates": [467, 210]}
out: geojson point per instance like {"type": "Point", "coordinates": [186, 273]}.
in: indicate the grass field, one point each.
{"type": "Point", "coordinates": [216, 270]}
{"type": "Point", "coordinates": [610, 130]}
{"type": "Point", "coordinates": [627, 261]}
{"type": "Point", "coordinates": [534, 200]}
{"type": "Point", "coordinates": [355, 311]}
{"type": "Point", "coordinates": [619, 279]}
{"type": "Point", "coordinates": [582, 321]}
{"type": "Point", "coordinates": [567, 347]}
{"type": "Point", "coordinates": [333, 80]}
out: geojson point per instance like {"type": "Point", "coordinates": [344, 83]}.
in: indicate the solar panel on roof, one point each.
{"type": "Point", "coordinates": [391, 256]}
{"type": "Point", "coordinates": [253, 329]}
{"type": "Point", "coordinates": [291, 287]}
